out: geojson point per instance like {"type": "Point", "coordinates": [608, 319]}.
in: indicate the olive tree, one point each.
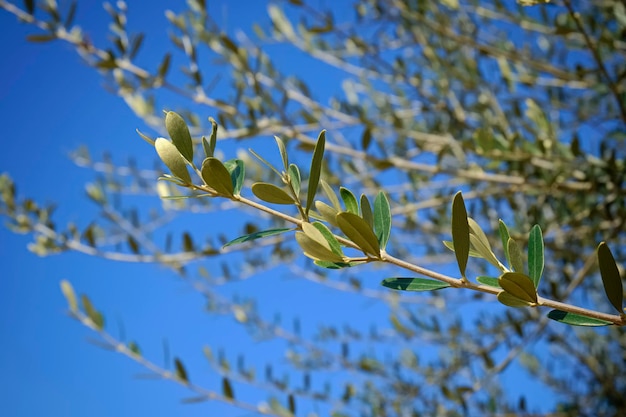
{"type": "Point", "coordinates": [453, 164]}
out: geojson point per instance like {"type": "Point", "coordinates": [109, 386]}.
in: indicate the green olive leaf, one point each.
{"type": "Point", "coordinates": [70, 295]}
{"type": "Point", "coordinates": [511, 301]}
{"type": "Point", "coordinates": [316, 170]}
{"type": "Point", "coordinates": [515, 255]}
{"type": "Point", "coordinates": [349, 200]}
{"type": "Point", "coordinates": [519, 285]}
{"type": "Point", "coordinates": [576, 319]}
{"type": "Point", "coordinates": [535, 255]}
{"type": "Point", "coordinates": [172, 158]}
{"type": "Point", "coordinates": [216, 176]}
{"type": "Point", "coordinates": [359, 232]}
{"type": "Point", "coordinates": [366, 210]}
{"type": "Point", "coordinates": [271, 193]}
{"type": "Point", "coordinates": [460, 232]}
{"type": "Point", "coordinates": [382, 219]}
{"type": "Point", "coordinates": [179, 132]}
{"type": "Point", "coordinates": [414, 284]}
{"type": "Point", "coordinates": [610, 277]}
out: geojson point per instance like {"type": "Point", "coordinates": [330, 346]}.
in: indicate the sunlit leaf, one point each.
{"type": "Point", "coordinates": [610, 277]}
{"type": "Point", "coordinates": [316, 170]}
{"type": "Point", "coordinates": [271, 193]}
{"type": "Point", "coordinates": [483, 251]}
{"type": "Point", "coordinates": [172, 158]}
{"type": "Point", "coordinates": [327, 212]}
{"type": "Point", "coordinates": [179, 132]}
{"type": "Point", "coordinates": [331, 195]}
{"type": "Point", "coordinates": [349, 200]}
{"type": "Point", "coordinates": [181, 372]}
{"type": "Point", "coordinates": [359, 232]}
{"type": "Point", "coordinates": [472, 252]}
{"type": "Point", "coordinates": [460, 232]}
{"type": "Point", "coordinates": [70, 295]}
{"type": "Point", "coordinates": [145, 137]}
{"type": "Point", "coordinates": [283, 152]}
{"type": "Point", "coordinates": [535, 255]}
{"type": "Point", "coordinates": [315, 249]}
{"type": "Point", "coordinates": [519, 285]}
{"type": "Point", "coordinates": [382, 219]}
{"type": "Point", "coordinates": [576, 319]}
{"type": "Point", "coordinates": [414, 284]}
{"type": "Point", "coordinates": [336, 265]}
{"type": "Point", "coordinates": [216, 176]}
{"type": "Point", "coordinates": [515, 255]}
{"type": "Point", "coordinates": [328, 236]}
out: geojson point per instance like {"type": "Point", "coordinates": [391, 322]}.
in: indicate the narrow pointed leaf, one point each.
{"type": "Point", "coordinates": [271, 193]}
{"type": "Point", "coordinates": [227, 389]}
{"type": "Point", "coordinates": [209, 146]}
{"type": "Point", "coordinates": [460, 232]}
{"type": "Point", "coordinates": [359, 232]}
{"type": "Point", "coordinates": [484, 251]}
{"type": "Point", "coordinates": [477, 231]}
{"type": "Point", "coordinates": [145, 137]}
{"type": "Point", "coordinates": [382, 219]}
{"type": "Point", "coordinates": [519, 285]}
{"type": "Point", "coordinates": [414, 284]}
{"type": "Point", "coordinates": [216, 176]}
{"type": "Point", "coordinates": [181, 372]}
{"type": "Point", "coordinates": [504, 237]}
{"type": "Point", "coordinates": [349, 200]}
{"type": "Point", "coordinates": [316, 170]}
{"type": "Point", "coordinates": [179, 132]}
{"type": "Point", "coordinates": [331, 195]}
{"type": "Point", "coordinates": [472, 252]}
{"type": "Point", "coordinates": [257, 235]}
{"type": "Point", "coordinates": [512, 301]}
{"type": "Point", "coordinates": [172, 158]}
{"type": "Point", "coordinates": [366, 211]}
{"type": "Point", "coordinates": [576, 319]}
{"type": "Point", "coordinates": [490, 281]}
{"type": "Point", "coordinates": [237, 170]}
{"type": "Point", "coordinates": [294, 178]}
{"type": "Point", "coordinates": [283, 152]}
{"type": "Point", "coordinates": [535, 255]}
{"type": "Point", "coordinates": [515, 255]}
{"type": "Point", "coordinates": [610, 277]}
{"type": "Point", "coordinates": [70, 295]}
{"type": "Point", "coordinates": [266, 162]}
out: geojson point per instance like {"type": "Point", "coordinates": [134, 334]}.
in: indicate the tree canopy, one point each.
{"type": "Point", "coordinates": [468, 156]}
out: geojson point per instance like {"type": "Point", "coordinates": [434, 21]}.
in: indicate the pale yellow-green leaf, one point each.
{"type": "Point", "coordinates": [216, 176]}
{"type": "Point", "coordinates": [271, 193]}
{"type": "Point", "coordinates": [70, 295]}
{"type": "Point", "coordinates": [316, 250]}
{"type": "Point", "coordinates": [359, 232]}
{"type": "Point", "coordinates": [172, 158]}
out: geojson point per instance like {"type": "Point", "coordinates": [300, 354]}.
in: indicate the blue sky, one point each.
{"type": "Point", "coordinates": [51, 103]}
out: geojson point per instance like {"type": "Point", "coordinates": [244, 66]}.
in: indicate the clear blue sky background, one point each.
{"type": "Point", "coordinates": [50, 104]}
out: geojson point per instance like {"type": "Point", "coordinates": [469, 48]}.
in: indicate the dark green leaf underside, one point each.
{"type": "Point", "coordinates": [257, 235]}
{"type": "Point", "coordinates": [576, 319]}
{"type": "Point", "coordinates": [413, 284]}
